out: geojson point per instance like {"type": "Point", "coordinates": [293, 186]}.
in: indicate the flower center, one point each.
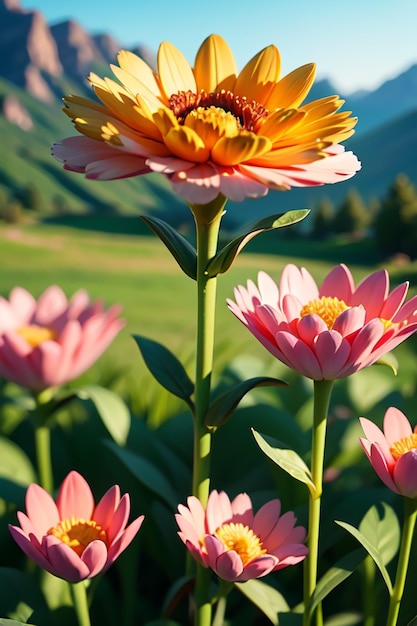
{"type": "Point", "coordinates": [325, 307]}
{"type": "Point", "coordinates": [246, 113]}
{"type": "Point", "coordinates": [242, 540]}
{"type": "Point", "coordinates": [404, 445]}
{"type": "Point", "coordinates": [35, 334]}
{"type": "Point", "coordinates": [78, 533]}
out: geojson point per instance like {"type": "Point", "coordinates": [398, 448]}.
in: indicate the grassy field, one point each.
{"type": "Point", "coordinates": [158, 299]}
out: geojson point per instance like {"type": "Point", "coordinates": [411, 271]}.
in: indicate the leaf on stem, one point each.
{"type": "Point", "coordinates": [286, 459]}
{"type": "Point", "coordinates": [222, 408]}
{"type": "Point", "coordinates": [181, 249]}
{"type": "Point", "coordinates": [334, 576]}
{"type": "Point", "coordinates": [371, 537]}
{"type": "Point", "coordinates": [266, 598]}
{"type": "Point", "coordinates": [166, 368]}
{"type": "Point", "coordinates": [222, 261]}
{"type": "Point", "coordinates": [389, 360]}
{"type": "Point", "coordinates": [112, 411]}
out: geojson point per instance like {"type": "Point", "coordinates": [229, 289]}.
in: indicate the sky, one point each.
{"type": "Point", "coordinates": [356, 45]}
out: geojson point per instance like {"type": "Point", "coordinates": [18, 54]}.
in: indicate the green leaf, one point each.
{"type": "Point", "coordinates": [223, 407]}
{"type": "Point", "coordinates": [12, 622]}
{"type": "Point", "coordinates": [413, 622]}
{"type": "Point", "coordinates": [181, 249]}
{"type": "Point", "coordinates": [15, 466]}
{"type": "Point", "coordinates": [336, 575]}
{"type": "Point", "coordinates": [181, 587]}
{"type": "Point", "coordinates": [147, 474]}
{"type": "Point", "coordinates": [266, 598]}
{"type": "Point", "coordinates": [285, 458]}
{"type": "Point", "coordinates": [112, 410]}
{"type": "Point", "coordinates": [382, 530]}
{"type": "Point", "coordinates": [20, 597]}
{"type": "Point", "coordinates": [166, 368]}
{"type": "Point", "coordinates": [222, 261]}
{"type": "Point", "coordinates": [371, 550]}
{"type": "Point", "coordinates": [390, 360]}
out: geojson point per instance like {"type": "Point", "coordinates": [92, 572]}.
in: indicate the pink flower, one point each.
{"type": "Point", "coordinates": [326, 332]}
{"type": "Point", "coordinates": [51, 341]}
{"type": "Point", "coordinates": [236, 543]}
{"type": "Point", "coordinates": [393, 453]}
{"type": "Point", "coordinates": [208, 128]}
{"type": "Point", "coordinates": [73, 538]}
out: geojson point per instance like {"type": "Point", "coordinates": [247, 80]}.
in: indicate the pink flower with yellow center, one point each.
{"type": "Point", "coordinates": [208, 128]}
{"type": "Point", "coordinates": [236, 543]}
{"type": "Point", "coordinates": [53, 340]}
{"type": "Point", "coordinates": [393, 451]}
{"type": "Point", "coordinates": [74, 538]}
{"type": "Point", "coordinates": [326, 332]}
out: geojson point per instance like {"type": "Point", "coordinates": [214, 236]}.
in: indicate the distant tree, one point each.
{"type": "Point", "coordinates": [30, 197]}
{"type": "Point", "coordinates": [352, 216]}
{"type": "Point", "coordinates": [13, 212]}
{"type": "Point", "coordinates": [396, 222]}
{"type": "Point", "coordinates": [4, 201]}
{"type": "Point", "coordinates": [323, 216]}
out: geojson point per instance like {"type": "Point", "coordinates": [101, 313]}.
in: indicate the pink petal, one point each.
{"type": "Point", "coordinates": [396, 425]}
{"type": "Point", "coordinates": [194, 514]}
{"type": "Point", "coordinates": [299, 283]}
{"type": "Point", "coordinates": [376, 436]}
{"type": "Point", "coordinates": [268, 289]}
{"type": "Point", "coordinates": [226, 563]}
{"type": "Point", "coordinates": [198, 185]}
{"type": "Point", "coordinates": [75, 498]}
{"type": "Point", "coordinates": [332, 352]}
{"type": "Point", "coordinates": [266, 519]}
{"type": "Point", "coordinates": [31, 550]}
{"type": "Point", "coordinates": [259, 567]}
{"type": "Point", "coordinates": [350, 321]}
{"type": "Point", "coordinates": [23, 305]}
{"type": "Point", "coordinates": [69, 340]}
{"type": "Point", "coordinates": [188, 532]}
{"type": "Point", "coordinates": [41, 510]}
{"type": "Point", "coordinates": [64, 560]}
{"type": "Point", "coordinates": [115, 167]}
{"type": "Point", "coordinates": [380, 465]}
{"type": "Point", "coordinates": [290, 554]}
{"type": "Point", "coordinates": [299, 355]}
{"type": "Point", "coordinates": [309, 327]}
{"type": "Point", "coordinates": [394, 301]}
{"type": "Point", "coordinates": [104, 511]}
{"type": "Point", "coordinates": [51, 304]}
{"type": "Point", "coordinates": [338, 283]}
{"type": "Point", "coordinates": [119, 520]}
{"type": "Point", "coordinates": [405, 474]}
{"type": "Point", "coordinates": [371, 293]}
{"type": "Point", "coordinates": [218, 511]}
{"type": "Point", "coordinates": [237, 187]}
{"type": "Point", "coordinates": [95, 557]}
{"type": "Point", "coordinates": [124, 540]}
{"type": "Point", "coordinates": [242, 510]}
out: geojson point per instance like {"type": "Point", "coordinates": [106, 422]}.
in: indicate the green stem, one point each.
{"type": "Point", "coordinates": [224, 589]}
{"type": "Point", "coordinates": [410, 514]}
{"type": "Point", "coordinates": [80, 603]}
{"type": "Point", "coordinates": [369, 597]}
{"type": "Point", "coordinates": [322, 392]}
{"type": "Point", "coordinates": [43, 457]}
{"type": "Point", "coordinates": [43, 442]}
{"type": "Point", "coordinates": [207, 219]}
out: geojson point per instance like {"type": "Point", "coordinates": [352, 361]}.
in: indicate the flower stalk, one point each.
{"type": "Point", "coordinates": [410, 516]}
{"type": "Point", "coordinates": [43, 442]}
{"type": "Point", "coordinates": [80, 603]}
{"type": "Point", "coordinates": [207, 220]}
{"type": "Point", "coordinates": [322, 392]}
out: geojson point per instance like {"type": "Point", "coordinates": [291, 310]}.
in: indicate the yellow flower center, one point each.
{"type": "Point", "coordinates": [242, 540]}
{"type": "Point", "coordinates": [78, 533]}
{"type": "Point", "coordinates": [35, 334]}
{"type": "Point", "coordinates": [404, 445]}
{"type": "Point", "coordinates": [246, 113]}
{"type": "Point", "coordinates": [212, 123]}
{"type": "Point", "coordinates": [325, 307]}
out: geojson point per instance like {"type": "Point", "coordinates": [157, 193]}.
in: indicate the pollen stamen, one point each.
{"type": "Point", "coordinates": [404, 445]}
{"type": "Point", "coordinates": [325, 307]}
{"type": "Point", "coordinates": [35, 334]}
{"type": "Point", "coordinates": [242, 540]}
{"type": "Point", "coordinates": [78, 533]}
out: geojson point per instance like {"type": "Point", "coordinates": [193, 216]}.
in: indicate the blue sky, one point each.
{"type": "Point", "coordinates": [357, 44]}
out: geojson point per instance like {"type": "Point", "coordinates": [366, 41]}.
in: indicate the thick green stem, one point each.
{"type": "Point", "coordinates": [80, 603]}
{"type": "Point", "coordinates": [322, 392]}
{"type": "Point", "coordinates": [207, 219]}
{"type": "Point", "coordinates": [410, 514]}
{"type": "Point", "coordinates": [368, 596]}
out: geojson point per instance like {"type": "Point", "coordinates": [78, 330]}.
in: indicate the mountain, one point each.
{"type": "Point", "coordinates": [39, 63]}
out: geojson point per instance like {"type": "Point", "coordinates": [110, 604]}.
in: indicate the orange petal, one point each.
{"type": "Point", "coordinates": [244, 147]}
{"type": "Point", "coordinates": [186, 144]}
{"type": "Point", "coordinates": [174, 70]}
{"type": "Point", "coordinates": [215, 66]}
{"type": "Point", "coordinates": [280, 123]}
{"type": "Point", "coordinates": [292, 89]}
{"type": "Point", "coordinates": [259, 76]}
{"type": "Point", "coordinates": [138, 69]}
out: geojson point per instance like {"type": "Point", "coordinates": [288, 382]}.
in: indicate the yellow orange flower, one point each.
{"type": "Point", "coordinates": [208, 128]}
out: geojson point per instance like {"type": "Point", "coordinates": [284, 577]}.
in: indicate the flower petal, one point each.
{"type": "Point", "coordinates": [259, 76]}
{"type": "Point", "coordinates": [174, 70]}
{"type": "Point", "coordinates": [75, 498]}
{"type": "Point", "coordinates": [215, 67]}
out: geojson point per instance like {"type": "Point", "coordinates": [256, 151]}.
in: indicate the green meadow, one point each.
{"type": "Point", "coordinates": [158, 300]}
